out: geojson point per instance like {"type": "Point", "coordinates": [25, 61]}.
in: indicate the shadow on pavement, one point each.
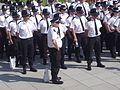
{"type": "Point", "coordinates": [16, 78]}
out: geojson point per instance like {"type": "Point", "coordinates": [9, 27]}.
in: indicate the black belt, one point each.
{"type": "Point", "coordinates": [79, 33]}
{"type": "Point", "coordinates": [28, 38]}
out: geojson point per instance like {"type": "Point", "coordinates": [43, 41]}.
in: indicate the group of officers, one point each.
{"type": "Point", "coordinates": [58, 27]}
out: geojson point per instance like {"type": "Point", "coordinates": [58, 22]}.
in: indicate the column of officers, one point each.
{"type": "Point", "coordinates": [59, 28]}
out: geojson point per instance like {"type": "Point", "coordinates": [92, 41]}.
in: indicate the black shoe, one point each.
{"type": "Point", "coordinates": [100, 65]}
{"type": "Point", "coordinates": [81, 56]}
{"type": "Point", "coordinates": [33, 70]}
{"type": "Point", "coordinates": [44, 62]}
{"type": "Point", "coordinates": [58, 78]}
{"type": "Point", "coordinates": [89, 68]}
{"type": "Point", "coordinates": [57, 82]}
{"type": "Point", "coordinates": [24, 72]}
{"type": "Point", "coordinates": [78, 61]}
{"type": "Point", "coordinates": [113, 56]}
{"type": "Point", "coordinates": [63, 67]}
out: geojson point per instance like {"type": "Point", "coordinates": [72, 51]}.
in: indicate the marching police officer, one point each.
{"type": "Point", "coordinates": [112, 32]}
{"type": "Point", "coordinates": [78, 30]}
{"type": "Point", "coordinates": [40, 6]}
{"type": "Point", "coordinates": [55, 44]}
{"type": "Point", "coordinates": [3, 26]}
{"type": "Point", "coordinates": [13, 39]}
{"type": "Point", "coordinates": [69, 19]}
{"type": "Point", "coordinates": [36, 17]}
{"type": "Point", "coordinates": [25, 32]}
{"type": "Point", "coordinates": [93, 30]}
{"type": "Point", "coordinates": [43, 27]}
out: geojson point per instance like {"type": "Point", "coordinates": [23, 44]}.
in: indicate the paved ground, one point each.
{"type": "Point", "coordinates": [75, 77]}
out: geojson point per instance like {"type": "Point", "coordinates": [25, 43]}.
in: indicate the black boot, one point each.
{"type": "Point", "coordinates": [24, 71]}
{"type": "Point", "coordinates": [89, 67]}
{"type": "Point", "coordinates": [100, 65]}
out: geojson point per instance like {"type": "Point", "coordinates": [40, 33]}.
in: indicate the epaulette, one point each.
{"type": "Point", "coordinates": [73, 18]}
{"type": "Point", "coordinates": [6, 17]}
{"type": "Point", "coordinates": [54, 30]}
{"type": "Point", "coordinates": [40, 20]}
{"type": "Point", "coordinates": [19, 22]}
{"type": "Point", "coordinates": [10, 21]}
{"type": "Point", "coordinates": [88, 18]}
{"type": "Point", "coordinates": [68, 17]}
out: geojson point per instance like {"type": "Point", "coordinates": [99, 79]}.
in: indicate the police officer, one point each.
{"type": "Point", "coordinates": [78, 30]}
{"type": "Point", "coordinates": [25, 32]}
{"type": "Point", "coordinates": [112, 32]}
{"type": "Point", "coordinates": [43, 27]}
{"type": "Point", "coordinates": [15, 49]}
{"type": "Point", "coordinates": [40, 6]}
{"type": "Point", "coordinates": [51, 7]}
{"type": "Point", "coordinates": [54, 44]}
{"type": "Point", "coordinates": [85, 7]}
{"type": "Point", "coordinates": [36, 17]}
{"type": "Point", "coordinates": [93, 30]}
{"type": "Point", "coordinates": [117, 28]}
{"type": "Point", "coordinates": [3, 26]}
{"type": "Point", "coordinates": [69, 19]}
{"type": "Point", "coordinates": [63, 30]}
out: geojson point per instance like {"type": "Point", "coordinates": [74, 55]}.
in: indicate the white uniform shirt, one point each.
{"type": "Point", "coordinates": [91, 28]}
{"type": "Point", "coordinates": [106, 18]}
{"type": "Point", "coordinates": [63, 29]}
{"type": "Point", "coordinates": [36, 22]}
{"type": "Point", "coordinates": [25, 29]}
{"type": "Point", "coordinates": [117, 23]}
{"type": "Point", "coordinates": [86, 5]}
{"type": "Point", "coordinates": [49, 8]}
{"type": "Point", "coordinates": [63, 18]}
{"type": "Point", "coordinates": [42, 26]}
{"type": "Point", "coordinates": [103, 13]}
{"type": "Point", "coordinates": [53, 35]}
{"type": "Point", "coordinates": [76, 24]}
{"type": "Point", "coordinates": [3, 22]}
{"type": "Point", "coordinates": [40, 8]}
{"type": "Point", "coordinates": [69, 20]}
{"type": "Point", "coordinates": [12, 27]}
{"type": "Point", "coordinates": [111, 22]}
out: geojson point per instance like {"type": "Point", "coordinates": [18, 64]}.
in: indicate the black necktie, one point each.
{"type": "Point", "coordinates": [96, 31]}
{"type": "Point", "coordinates": [59, 31]}
{"type": "Point", "coordinates": [84, 9]}
{"type": "Point", "coordinates": [81, 24]}
{"type": "Point", "coordinates": [66, 5]}
{"type": "Point", "coordinates": [40, 8]}
{"type": "Point", "coordinates": [52, 8]}
{"type": "Point", "coordinates": [36, 20]}
{"type": "Point", "coordinates": [47, 24]}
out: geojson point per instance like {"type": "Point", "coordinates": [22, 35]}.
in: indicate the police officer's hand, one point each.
{"type": "Point", "coordinates": [10, 41]}
{"type": "Point", "coordinates": [75, 39]}
{"type": "Point", "coordinates": [58, 48]}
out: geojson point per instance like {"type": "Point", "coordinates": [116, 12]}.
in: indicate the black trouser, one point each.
{"type": "Point", "coordinates": [70, 44]}
{"type": "Point", "coordinates": [103, 37]}
{"type": "Point", "coordinates": [37, 42]}
{"type": "Point", "coordinates": [16, 51]}
{"type": "Point", "coordinates": [63, 50]}
{"type": "Point", "coordinates": [93, 44]}
{"type": "Point", "coordinates": [82, 40]}
{"type": "Point", "coordinates": [44, 47]}
{"type": "Point", "coordinates": [27, 51]}
{"type": "Point", "coordinates": [3, 42]}
{"type": "Point", "coordinates": [55, 57]}
{"type": "Point", "coordinates": [112, 42]}
{"type": "Point", "coordinates": [118, 44]}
